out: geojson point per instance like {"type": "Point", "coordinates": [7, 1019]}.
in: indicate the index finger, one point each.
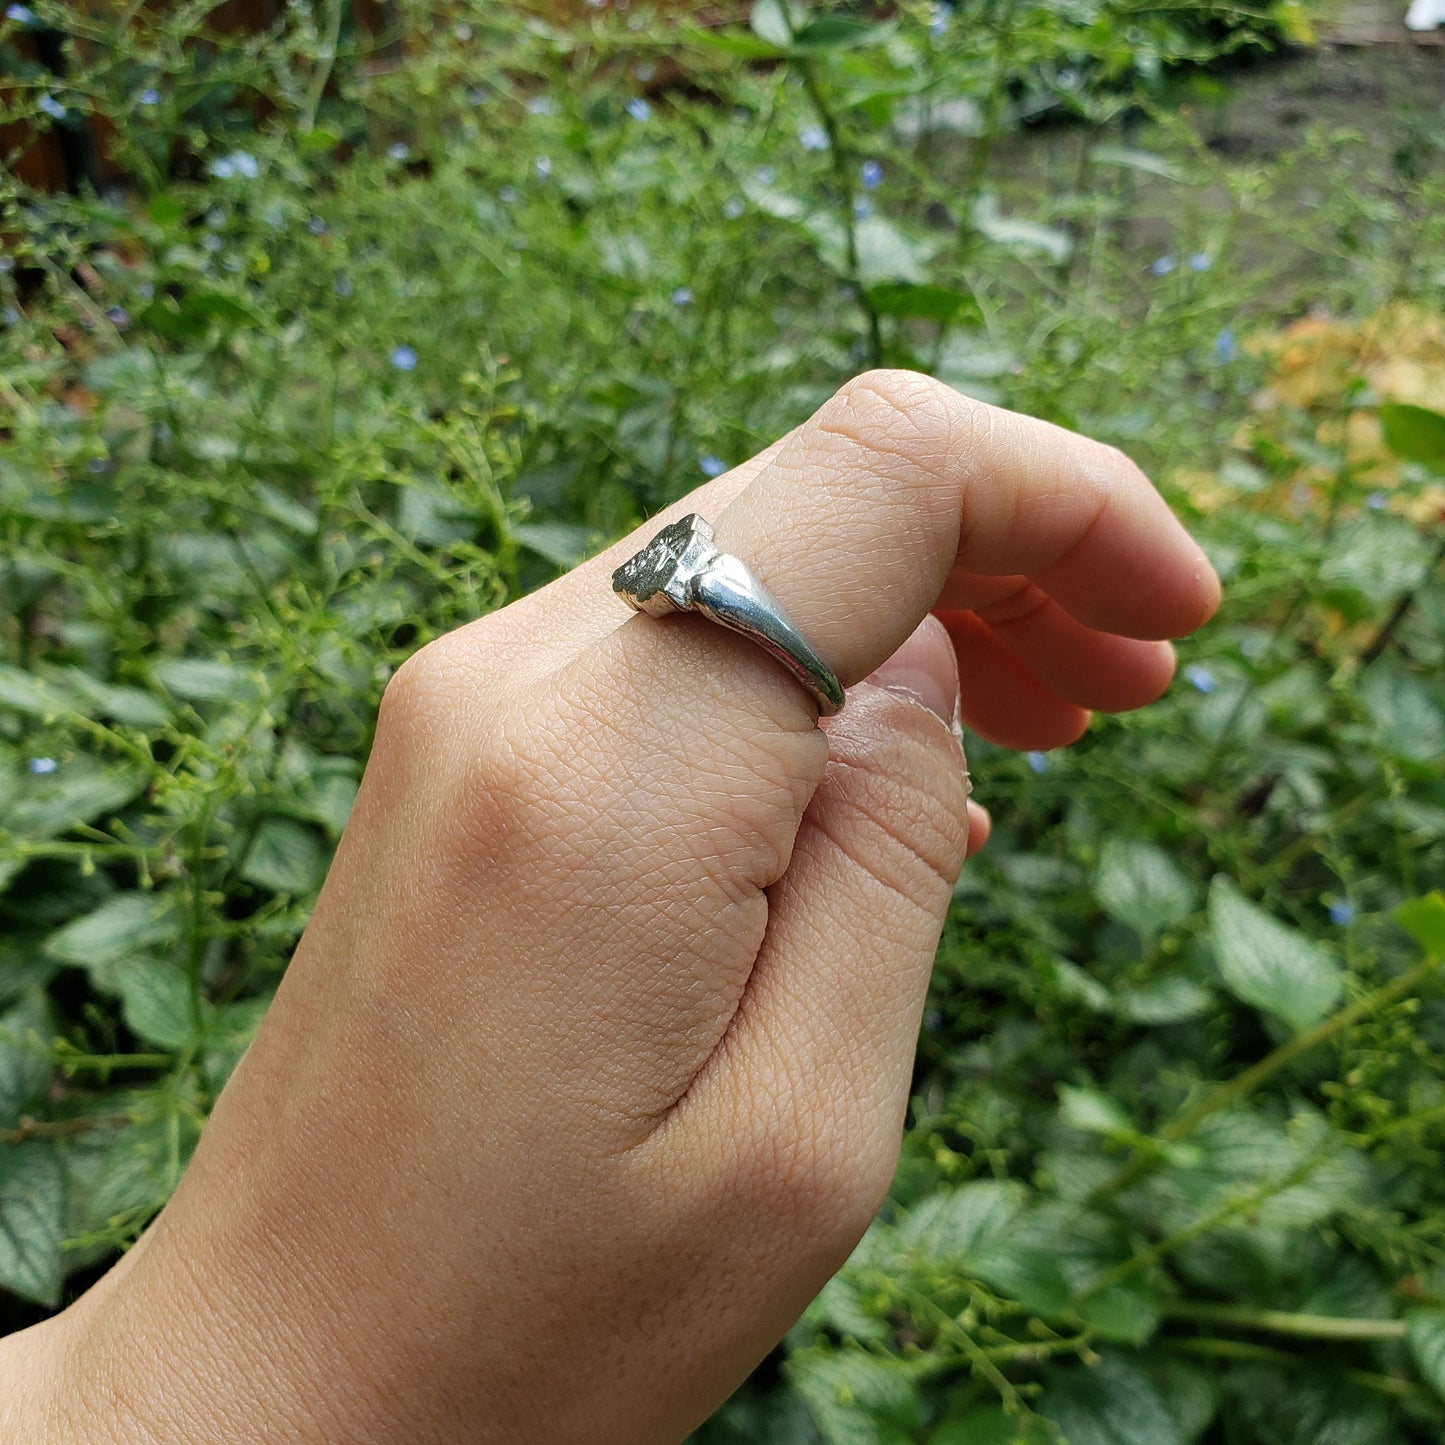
{"type": "Point", "coordinates": [900, 487]}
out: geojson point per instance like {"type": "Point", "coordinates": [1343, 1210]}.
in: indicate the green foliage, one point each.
{"type": "Point", "coordinates": [344, 369]}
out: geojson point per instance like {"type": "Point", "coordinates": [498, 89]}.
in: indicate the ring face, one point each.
{"type": "Point", "coordinates": [681, 570]}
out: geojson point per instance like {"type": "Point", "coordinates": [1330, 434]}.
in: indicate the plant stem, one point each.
{"type": "Point", "coordinates": [1401, 610]}
{"type": "Point", "coordinates": [1284, 1322]}
{"type": "Point", "coordinates": [1242, 1085]}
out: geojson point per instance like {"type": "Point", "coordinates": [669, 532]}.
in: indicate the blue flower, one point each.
{"type": "Point", "coordinates": [712, 466]}
{"type": "Point", "coordinates": [149, 96]}
{"type": "Point", "coordinates": [316, 225]}
{"type": "Point", "coordinates": [1039, 762]}
{"type": "Point", "coordinates": [51, 107]}
{"type": "Point", "coordinates": [1199, 678]}
{"type": "Point", "coordinates": [96, 465]}
{"type": "Point", "coordinates": [403, 358]}
{"type": "Point", "coordinates": [639, 109]}
{"type": "Point", "coordinates": [871, 175]}
{"type": "Point", "coordinates": [543, 167]}
{"type": "Point", "coordinates": [1341, 913]}
{"type": "Point", "coordinates": [733, 207]}
{"type": "Point", "coordinates": [1377, 501]}
{"type": "Point", "coordinates": [682, 296]}
{"type": "Point", "coordinates": [343, 286]}
{"type": "Point", "coordinates": [938, 21]}
{"type": "Point", "coordinates": [41, 766]}
{"type": "Point", "coordinates": [508, 195]}
{"type": "Point", "coordinates": [862, 208]}
{"type": "Point", "coordinates": [765, 175]}
{"type": "Point", "coordinates": [813, 138]}
{"type": "Point", "coordinates": [118, 317]}
{"type": "Point", "coordinates": [20, 14]}
{"type": "Point", "coordinates": [399, 150]}
{"type": "Point", "coordinates": [1163, 266]}
{"type": "Point", "coordinates": [1224, 347]}
{"type": "Point", "coordinates": [1201, 261]}
{"type": "Point", "coordinates": [541, 105]}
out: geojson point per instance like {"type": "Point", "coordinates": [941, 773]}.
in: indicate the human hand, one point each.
{"type": "Point", "coordinates": [591, 1066]}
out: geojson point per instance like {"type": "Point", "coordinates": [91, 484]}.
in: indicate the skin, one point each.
{"type": "Point", "coordinates": [592, 1064]}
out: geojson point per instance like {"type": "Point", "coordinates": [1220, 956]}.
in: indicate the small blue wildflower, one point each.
{"type": "Point", "coordinates": [644, 71]}
{"type": "Point", "coordinates": [862, 208]}
{"type": "Point", "coordinates": [399, 151]}
{"type": "Point", "coordinates": [51, 107]}
{"type": "Point", "coordinates": [508, 195]}
{"type": "Point", "coordinates": [871, 175]}
{"type": "Point", "coordinates": [7, 263]}
{"type": "Point", "coordinates": [682, 296]}
{"type": "Point", "coordinates": [712, 466]}
{"type": "Point", "coordinates": [765, 175]}
{"type": "Point", "coordinates": [462, 31]}
{"type": "Point", "coordinates": [238, 163]}
{"type": "Point", "coordinates": [212, 242]}
{"type": "Point", "coordinates": [10, 316]}
{"type": "Point", "coordinates": [41, 766]}
{"type": "Point", "coordinates": [541, 105]}
{"type": "Point", "coordinates": [96, 465]}
{"type": "Point", "coordinates": [813, 138]}
{"type": "Point", "coordinates": [1201, 261]}
{"type": "Point", "coordinates": [1162, 266]}
{"type": "Point", "coordinates": [146, 290]}
{"type": "Point", "coordinates": [1039, 762]}
{"type": "Point", "coordinates": [20, 14]}
{"type": "Point", "coordinates": [316, 225]}
{"type": "Point", "coordinates": [1377, 501]}
{"type": "Point", "coordinates": [639, 109]}
{"type": "Point", "coordinates": [733, 207]}
{"type": "Point", "coordinates": [118, 317]}
{"type": "Point", "coordinates": [1341, 913]}
{"type": "Point", "coordinates": [1199, 678]}
{"type": "Point", "coordinates": [543, 166]}
{"type": "Point", "coordinates": [343, 286]}
{"type": "Point", "coordinates": [1224, 347]}
{"type": "Point", "coordinates": [403, 358]}
{"type": "Point", "coordinates": [938, 21]}
{"type": "Point", "coordinates": [149, 96]}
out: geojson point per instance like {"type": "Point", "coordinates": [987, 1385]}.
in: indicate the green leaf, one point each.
{"type": "Point", "coordinates": [921, 301]}
{"type": "Point", "coordinates": [1268, 964]}
{"type": "Point", "coordinates": [286, 857]}
{"type": "Point", "coordinates": [1415, 433]}
{"type": "Point", "coordinates": [155, 1001]}
{"type": "Point", "coordinates": [32, 1221]}
{"type": "Point", "coordinates": [992, 1425]}
{"type": "Point", "coordinates": [1170, 999]}
{"type": "Point", "coordinates": [856, 1398]}
{"type": "Point", "coordinates": [1111, 1403]}
{"type": "Point", "coordinates": [1142, 886]}
{"type": "Point", "coordinates": [80, 790]}
{"type": "Point", "coordinates": [1424, 920]}
{"type": "Point", "coordinates": [1409, 722]}
{"type": "Point", "coordinates": [126, 926]}
{"type": "Point", "coordinates": [1135, 160]}
{"type": "Point", "coordinates": [954, 1223]}
{"type": "Point", "coordinates": [1018, 235]}
{"type": "Point", "coordinates": [1425, 1334]}
{"type": "Point", "coordinates": [204, 679]}
{"type": "Point", "coordinates": [1092, 1112]}
{"type": "Point", "coordinates": [837, 32]}
{"type": "Point", "coordinates": [25, 1033]}
{"type": "Point", "coordinates": [1128, 1313]}
{"type": "Point", "coordinates": [561, 543]}
{"type": "Point", "coordinates": [771, 21]}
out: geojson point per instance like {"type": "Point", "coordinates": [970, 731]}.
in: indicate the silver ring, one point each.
{"type": "Point", "coordinates": [681, 570]}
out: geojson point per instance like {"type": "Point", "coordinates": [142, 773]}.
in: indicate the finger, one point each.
{"type": "Point", "coordinates": [980, 825]}
{"type": "Point", "coordinates": [1003, 700]}
{"type": "Point", "coordinates": [815, 1071]}
{"type": "Point", "coordinates": [1089, 668]}
{"type": "Point", "coordinates": [900, 484]}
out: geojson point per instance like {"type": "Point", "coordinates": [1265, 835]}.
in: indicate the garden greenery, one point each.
{"type": "Point", "coordinates": [343, 337]}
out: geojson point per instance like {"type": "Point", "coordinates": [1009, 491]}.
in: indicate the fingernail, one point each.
{"type": "Point", "coordinates": [924, 670]}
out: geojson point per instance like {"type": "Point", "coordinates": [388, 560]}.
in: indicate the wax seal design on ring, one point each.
{"type": "Point", "coordinates": [681, 570]}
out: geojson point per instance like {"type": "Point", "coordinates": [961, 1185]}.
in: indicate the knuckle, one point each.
{"type": "Point", "coordinates": [885, 405]}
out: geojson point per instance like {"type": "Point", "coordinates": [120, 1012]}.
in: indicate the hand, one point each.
{"type": "Point", "coordinates": [591, 1066]}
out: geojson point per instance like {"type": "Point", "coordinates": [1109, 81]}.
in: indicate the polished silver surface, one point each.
{"type": "Point", "coordinates": [681, 570]}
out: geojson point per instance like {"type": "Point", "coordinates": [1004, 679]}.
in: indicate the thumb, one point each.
{"type": "Point", "coordinates": [820, 1051]}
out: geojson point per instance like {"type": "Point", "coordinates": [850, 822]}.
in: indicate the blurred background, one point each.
{"type": "Point", "coordinates": [328, 325]}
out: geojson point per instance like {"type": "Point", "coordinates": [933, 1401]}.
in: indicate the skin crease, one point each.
{"type": "Point", "coordinates": [592, 1064]}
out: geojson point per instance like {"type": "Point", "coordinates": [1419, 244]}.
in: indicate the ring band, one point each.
{"type": "Point", "coordinates": [681, 570]}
